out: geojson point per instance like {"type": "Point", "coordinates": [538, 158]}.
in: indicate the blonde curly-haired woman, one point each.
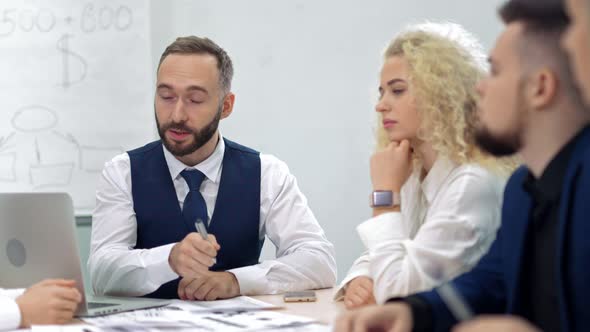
{"type": "Point", "coordinates": [437, 197]}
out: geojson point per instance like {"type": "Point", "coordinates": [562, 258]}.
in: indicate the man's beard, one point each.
{"type": "Point", "coordinates": [509, 143]}
{"type": "Point", "coordinates": [200, 137]}
{"type": "Point", "coordinates": [499, 146]}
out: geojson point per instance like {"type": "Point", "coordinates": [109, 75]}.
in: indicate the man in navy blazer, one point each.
{"type": "Point", "coordinates": [537, 269]}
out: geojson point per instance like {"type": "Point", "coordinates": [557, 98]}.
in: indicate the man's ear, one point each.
{"type": "Point", "coordinates": [227, 105]}
{"type": "Point", "coordinates": [542, 88]}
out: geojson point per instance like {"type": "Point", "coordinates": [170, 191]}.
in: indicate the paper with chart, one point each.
{"type": "Point", "coordinates": [129, 327]}
{"type": "Point", "coordinates": [76, 79]}
{"type": "Point", "coordinates": [238, 314]}
{"type": "Point", "coordinates": [180, 308]}
{"type": "Point", "coordinates": [226, 321]}
{"type": "Point", "coordinates": [236, 303]}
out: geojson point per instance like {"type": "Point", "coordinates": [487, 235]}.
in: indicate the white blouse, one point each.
{"type": "Point", "coordinates": [9, 310]}
{"type": "Point", "coordinates": [446, 224]}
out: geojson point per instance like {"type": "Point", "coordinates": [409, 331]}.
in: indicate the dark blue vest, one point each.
{"type": "Point", "coordinates": [235, 221]}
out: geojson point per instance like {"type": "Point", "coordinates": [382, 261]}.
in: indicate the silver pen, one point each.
{"type": "Point", "coordinates": [454, 302]}
{"type": "Point", "coordinates": [200, 226]}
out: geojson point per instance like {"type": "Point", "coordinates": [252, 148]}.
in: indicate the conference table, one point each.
{"type": "Point", "coordinates": [324, 309]}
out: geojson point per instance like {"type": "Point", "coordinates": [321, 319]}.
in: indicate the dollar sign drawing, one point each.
{"type": "Point", "coordinates": [67, 55]}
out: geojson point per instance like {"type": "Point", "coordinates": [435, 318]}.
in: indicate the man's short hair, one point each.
{"type": "Point", "coordinates": [198, 45]}
{"type": "Point", "coordinates": [536, 14]}
{"type": "Point", "coordinates": [544, 22]}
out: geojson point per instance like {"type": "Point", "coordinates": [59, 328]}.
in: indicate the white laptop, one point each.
{"type": "Point", "coordinates": [38, 241]}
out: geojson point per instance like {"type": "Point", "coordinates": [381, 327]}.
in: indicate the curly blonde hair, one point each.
{"type": "Point", "coordinates": [445, 64]}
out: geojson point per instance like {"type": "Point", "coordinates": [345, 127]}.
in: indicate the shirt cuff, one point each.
{"type": "Point", "coordinates": [12, 293]}
{"type": "Point", "coordinates": [421, 312]}
{"type": "Point", "coordinates": [385, 227]}
{"type": "Point", "coordinates": [355, 272]}
{"type": "Point", "coordinates": [251, 278]}
{"type": "Point", "coordinates": [9, 314]}
{"type": "Point", "coordinates": [157, 265]}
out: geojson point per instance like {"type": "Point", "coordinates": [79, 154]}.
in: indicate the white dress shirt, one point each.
{"type": "Point", "coordinates": [446, 224]}
{"type": "Point", "coordinates": [9, 310]}
{"type": "Point", "coordinates": [305, 258]}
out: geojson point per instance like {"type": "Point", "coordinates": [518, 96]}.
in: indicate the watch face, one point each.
{"type": "Point", "coordinates": [382, 198]}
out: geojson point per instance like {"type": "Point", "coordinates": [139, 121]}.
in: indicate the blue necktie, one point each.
{"type": "Point", "coordinates": [194, 204]}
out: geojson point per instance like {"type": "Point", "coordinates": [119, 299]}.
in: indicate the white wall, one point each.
{"type": "Point", "coordinates": [305, 76]}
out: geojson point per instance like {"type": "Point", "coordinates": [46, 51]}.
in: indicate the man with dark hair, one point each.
{"type": "Point", "coordinates": [152, 200]}
{"type": "Point", "coordinates": [536, 270]}
{"type": "Point", "coordinates": [196, 45]}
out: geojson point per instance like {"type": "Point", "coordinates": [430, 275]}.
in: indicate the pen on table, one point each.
{"type": "Point", "coordinates": [200, 226]}
{"type": "Point", "coordinates": [454, 302]}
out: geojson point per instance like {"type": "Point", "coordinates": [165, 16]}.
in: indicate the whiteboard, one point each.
{"type": "Point", "coordinates": [76, 82]}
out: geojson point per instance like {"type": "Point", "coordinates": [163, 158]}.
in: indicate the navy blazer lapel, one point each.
{"type": "Point", "coordinates": [566, 198]}
{"type": "Point", "coordinates": [514, 239]}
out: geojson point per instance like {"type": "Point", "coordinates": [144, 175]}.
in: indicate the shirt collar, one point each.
{"type": "Point", "coordinates": [210, 167]}
{"type": "Point", "coordinates": [436, 177]}
{"type": "Point", "coordinates": [548, 185]}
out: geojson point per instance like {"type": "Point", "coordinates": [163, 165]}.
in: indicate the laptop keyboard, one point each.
{"type": "Point", "coordinates": [96, 305]}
